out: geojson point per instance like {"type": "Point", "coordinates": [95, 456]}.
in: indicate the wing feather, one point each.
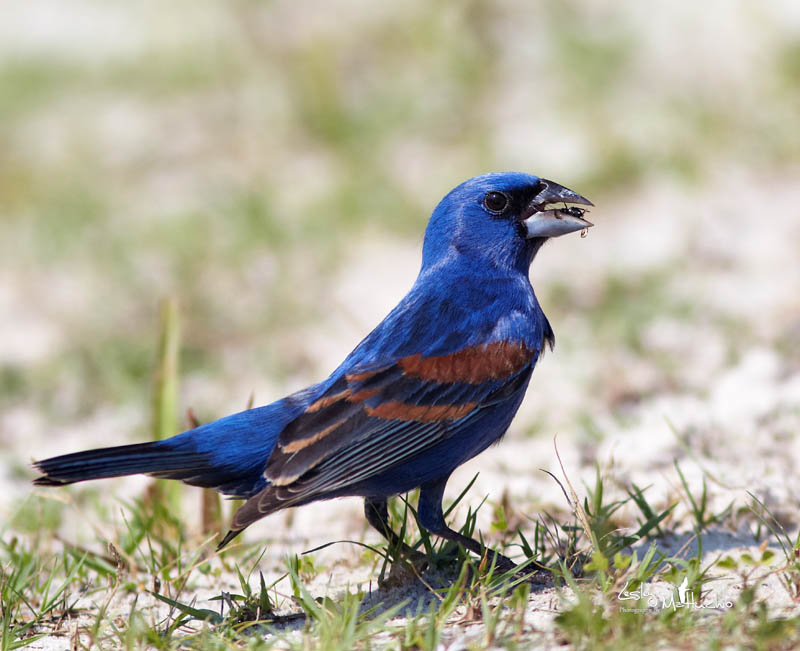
{"type": "Point", "coordinates": [373, 419]}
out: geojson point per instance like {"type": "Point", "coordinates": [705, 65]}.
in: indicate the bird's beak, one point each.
{"type": "Point", "coordinates": [541, 222]}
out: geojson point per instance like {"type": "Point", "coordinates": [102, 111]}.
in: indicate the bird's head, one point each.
{"type": "Point", "coordinates": [501, 219]}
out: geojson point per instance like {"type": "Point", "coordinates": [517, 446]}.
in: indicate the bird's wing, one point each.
{"type": "Point", "coordinates": [371, 420]}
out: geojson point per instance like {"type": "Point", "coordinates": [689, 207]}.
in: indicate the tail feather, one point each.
{"type": "Point", "coordinates": [228, 455]}
{"type": "Point", "coordinates": [138, 458]}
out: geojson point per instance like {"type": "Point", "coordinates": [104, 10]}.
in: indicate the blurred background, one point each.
{"type": "Point", "coordinates": [272, 165]}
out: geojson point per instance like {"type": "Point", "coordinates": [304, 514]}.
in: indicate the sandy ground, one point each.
{"type": "Point", "coordinates": [726, 407]}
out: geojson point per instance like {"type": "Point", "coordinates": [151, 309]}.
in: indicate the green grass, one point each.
{"type": "Point", "coordinates": [48, 587]}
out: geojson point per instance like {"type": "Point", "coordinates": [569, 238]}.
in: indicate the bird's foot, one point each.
{"type": "Point", "coordinates": [406, 566]}
{"type": "Point", "coordinates": [527, 571]}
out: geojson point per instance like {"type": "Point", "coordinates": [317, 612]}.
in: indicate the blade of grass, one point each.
{"type": "Point", "coordinates": [165, 395]}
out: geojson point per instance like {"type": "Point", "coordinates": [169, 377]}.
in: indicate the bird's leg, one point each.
{"type": "Point", "coordinates": [429, 512]}
{"type": "Point", "coordinates": [377, 514]}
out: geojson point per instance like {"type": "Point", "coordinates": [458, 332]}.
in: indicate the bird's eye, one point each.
{"type": "Point", "coordinates": [495, 202]}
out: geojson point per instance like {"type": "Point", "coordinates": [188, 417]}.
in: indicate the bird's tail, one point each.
{"type": "Point", "coordinates": [154, 458]}
{"type": "Point", "coordinates": [228, 455]}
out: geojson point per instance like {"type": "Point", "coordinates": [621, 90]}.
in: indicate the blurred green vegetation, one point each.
{"type": "Point", "coordinates": [195, 143]}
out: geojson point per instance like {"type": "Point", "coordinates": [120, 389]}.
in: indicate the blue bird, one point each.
{"type": "Point", "coordinates": [434, 384]}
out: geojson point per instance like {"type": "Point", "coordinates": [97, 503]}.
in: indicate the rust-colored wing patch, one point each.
{"type": "Point", "coordinates": [472, 365]}
{"type": "Point", "coordinates": [393, 410]}
{"type": "Point", "coordinates": [298, 444]}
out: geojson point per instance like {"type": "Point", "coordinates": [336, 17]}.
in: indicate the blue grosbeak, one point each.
{"type": "Point", "coordinates": [438, 381]}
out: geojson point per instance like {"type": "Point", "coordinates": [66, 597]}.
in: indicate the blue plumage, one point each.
{"type": "Point", "coordinates": [434, 384]}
